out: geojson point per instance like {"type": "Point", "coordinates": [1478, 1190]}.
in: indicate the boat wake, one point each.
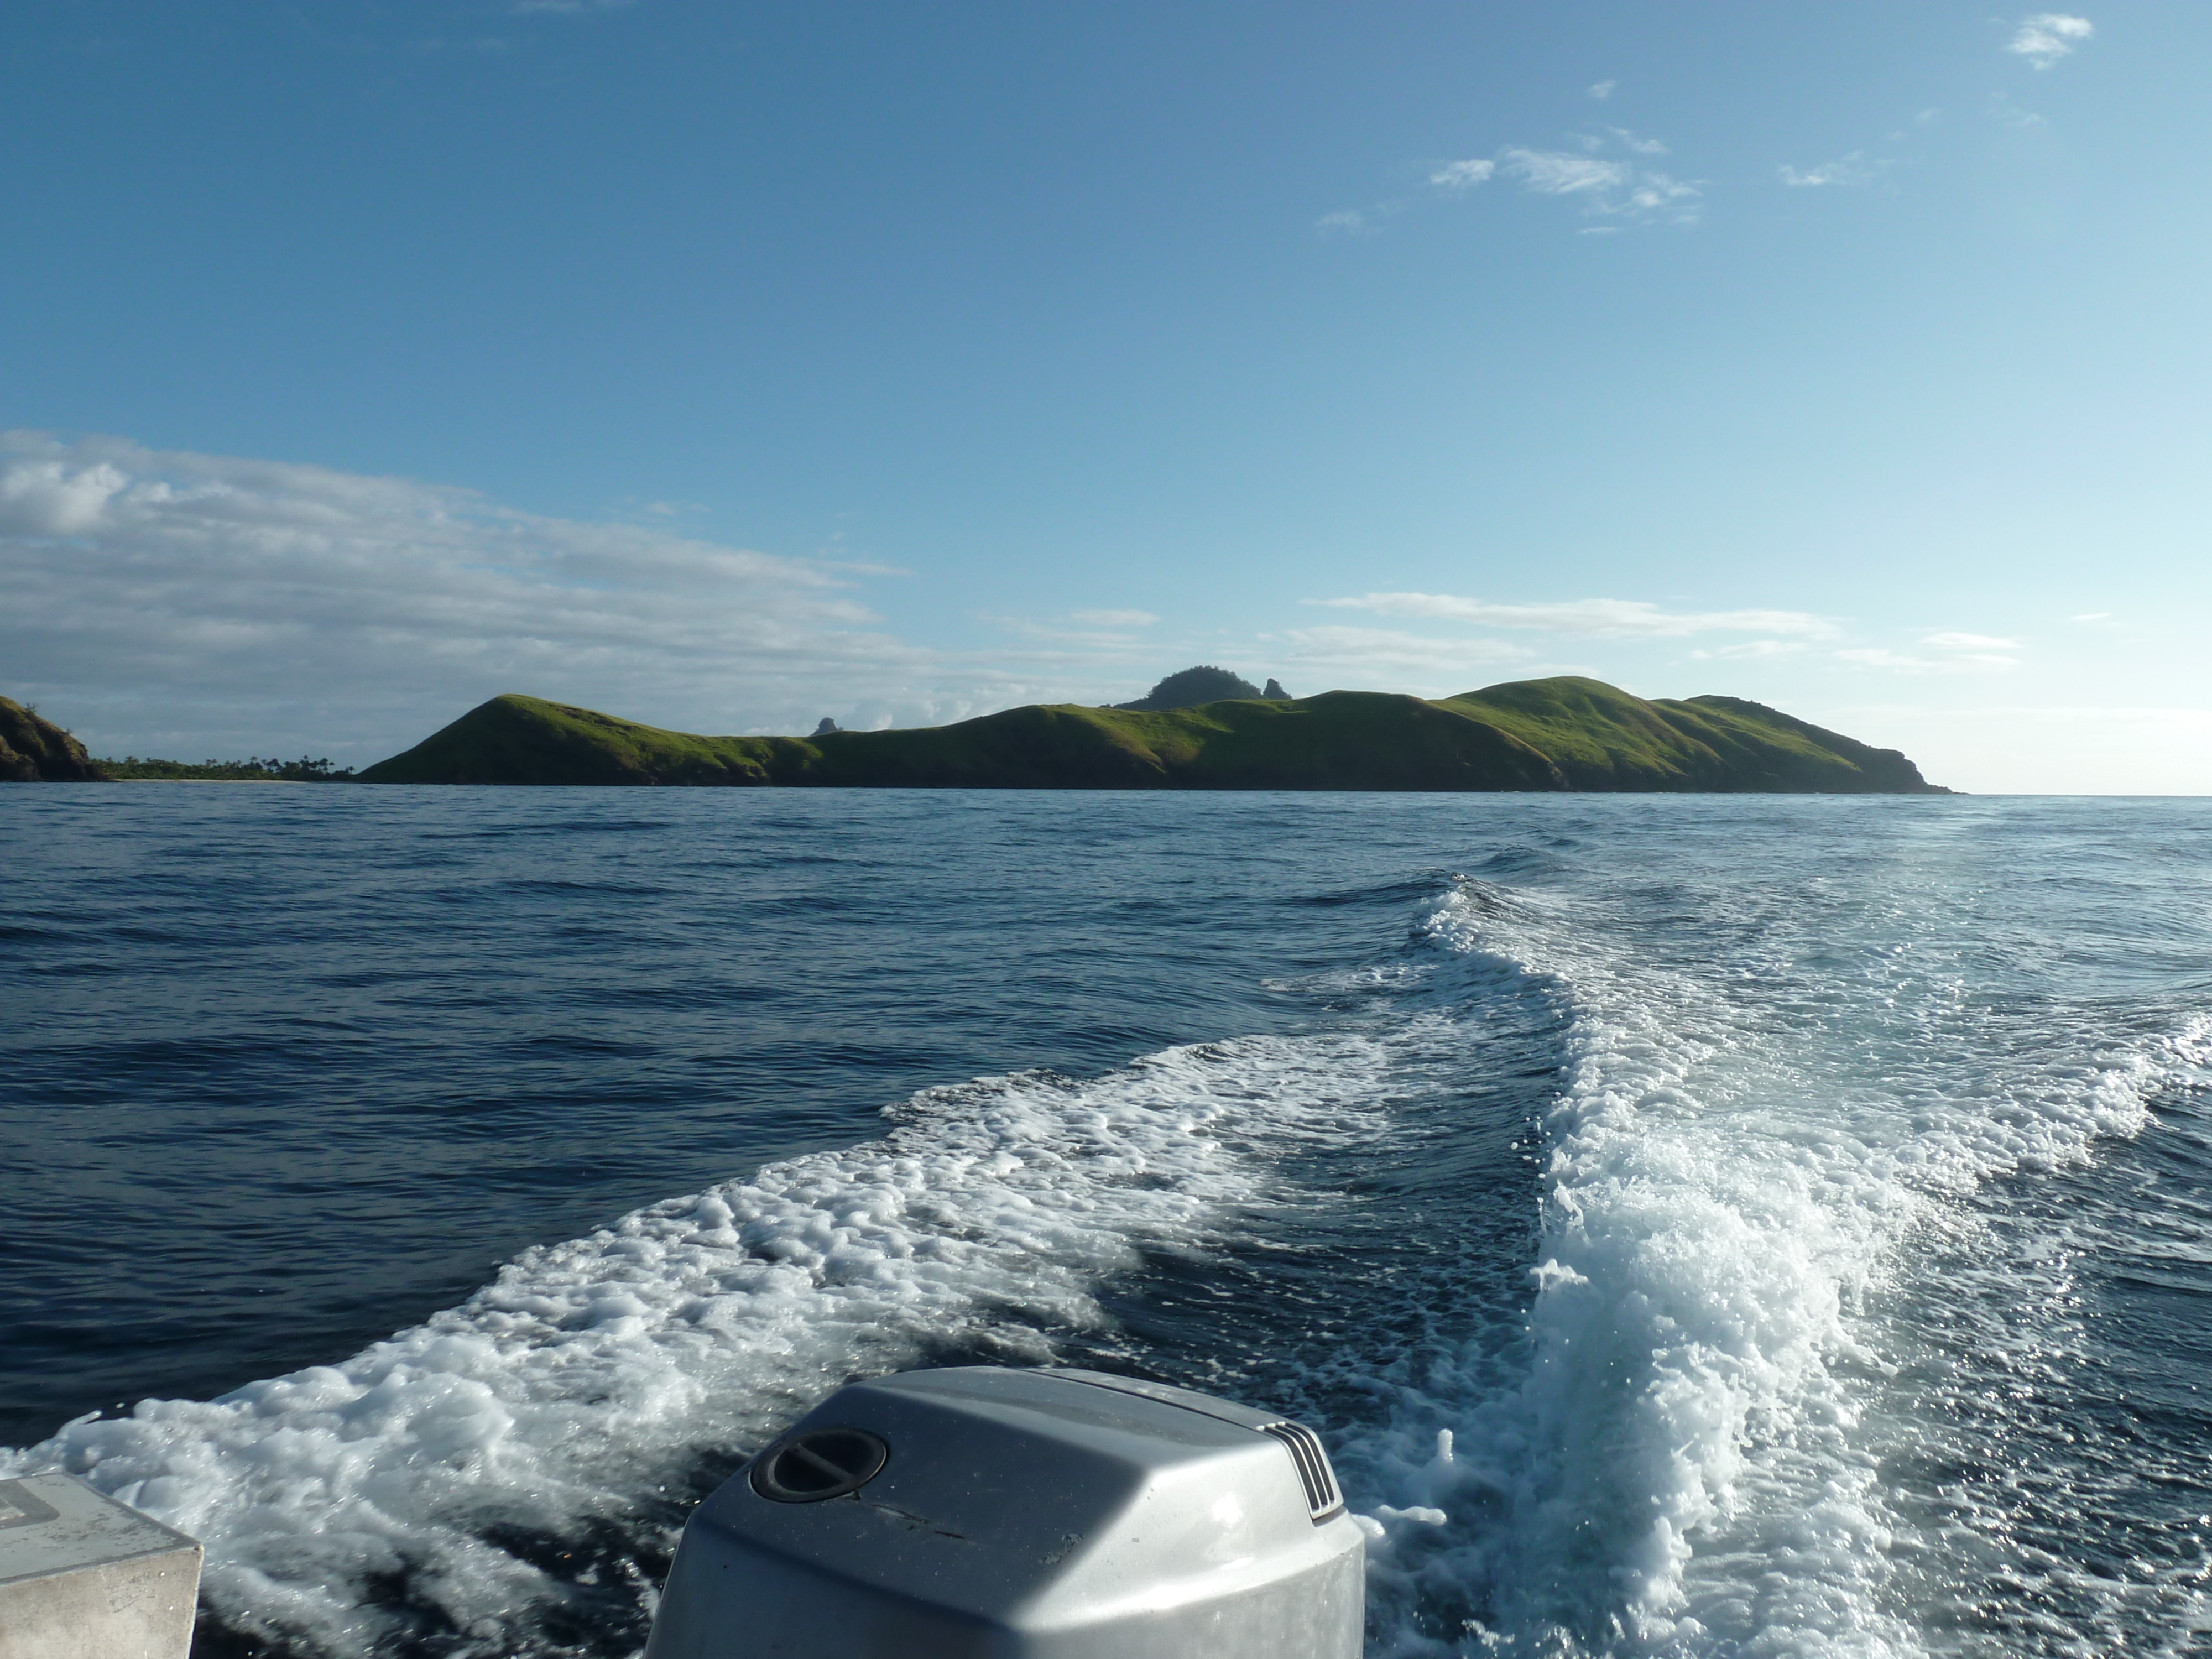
{"type": "Point", "coordinates": [1645, 1411]}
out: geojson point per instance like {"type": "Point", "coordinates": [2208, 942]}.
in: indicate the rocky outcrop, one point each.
{"type": "Point", "coordinates": [33, 750]}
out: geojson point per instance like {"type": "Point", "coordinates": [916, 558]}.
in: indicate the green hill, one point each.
{"type": "Point", "coordinates": [33, 750]}
{"type": "Point", "coordinates": [1566, 733]}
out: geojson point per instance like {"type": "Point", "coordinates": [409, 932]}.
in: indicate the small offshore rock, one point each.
{"type": "Point", "coordinates": [827, 726]}
{"type": "Point", "coordinates": [1274, 693]}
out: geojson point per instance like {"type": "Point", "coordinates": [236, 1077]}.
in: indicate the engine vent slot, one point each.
{"type": "Point", "coordinates": [819, 1464]}
{"type": "Point", "coordinates": [1322, 1499]}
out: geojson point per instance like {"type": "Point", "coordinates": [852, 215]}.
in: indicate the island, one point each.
{"type": "Point", "coordinates": [1563, 734]}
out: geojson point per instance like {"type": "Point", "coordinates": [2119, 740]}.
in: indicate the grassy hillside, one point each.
{"type": "Point", "coordinates": [1553, 734]}
{"type": "Point", "coordinates": [1600, 738]}
{"type": "Point", "coordinates": [515, 739]}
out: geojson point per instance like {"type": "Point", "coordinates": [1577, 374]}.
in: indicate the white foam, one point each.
{"type": "Point", "coordinates": [1737, 1170]}
{"type": "Point", "coordinates": [591, 1371]}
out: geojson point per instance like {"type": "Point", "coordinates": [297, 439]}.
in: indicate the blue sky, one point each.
{"type": "Point", "coordinates": [727, 365]}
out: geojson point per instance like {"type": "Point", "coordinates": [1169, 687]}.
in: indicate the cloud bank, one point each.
{"type": "Point", "coordinates": [195, 605]}
{"type": "Point", "coordinates": [187, 605]}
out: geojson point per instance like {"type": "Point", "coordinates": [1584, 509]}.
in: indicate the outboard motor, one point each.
{"type": "Point", "coordinates": [980, 1513]}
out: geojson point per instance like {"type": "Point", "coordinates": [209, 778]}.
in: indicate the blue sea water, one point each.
{"type": "Point", "coordinates": [1697, 1225]}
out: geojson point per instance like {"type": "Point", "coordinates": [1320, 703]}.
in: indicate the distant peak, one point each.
{"type": "Point", "coordinates": [1193, 686]}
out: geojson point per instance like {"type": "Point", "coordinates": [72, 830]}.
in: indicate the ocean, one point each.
{"type": "Point", "coordinates": [1697, 1225]}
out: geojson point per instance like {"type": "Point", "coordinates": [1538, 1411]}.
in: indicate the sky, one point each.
{"type": "Point", "coordinates": [726, 366]}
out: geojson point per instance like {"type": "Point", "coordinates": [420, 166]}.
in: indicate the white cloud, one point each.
{"type": "Point", "coordinates": [1463, 175]}
{"type": "Point", "coordinates": [1852, 169]}
{"type": "Point", "coordinates": [1357, 221]}
{"type": "Point", "coordinates": [1962, 662]}
{"type": "Point", "coordinates": [1364, 657]}
{"type": "Point", "coordinates": [47, 498]}
{"type": "Point", "coordinates": [1956, 641]}
{"type": "Point", "coordinates": [171, 602]}
{"type": "Point", "coordinates": [1606, 187]}
{"type": "Point", "coordinates": [2092, 617]}
{"type": "Point", "coordinates": [2048, 36]}
{"type": "Point", "coordinates": [1625, 618]}
{"type": "Point", "coordinates": [1655, 190]}
{"type": "Point", "coordinates": [1558, 173]}
{"type": "Point", "coordinates": [1870, 656]}
{"type": "Point", "coordinates": [1603, 90]}
{"type": "Point", "coordinates": [1081, 643]}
